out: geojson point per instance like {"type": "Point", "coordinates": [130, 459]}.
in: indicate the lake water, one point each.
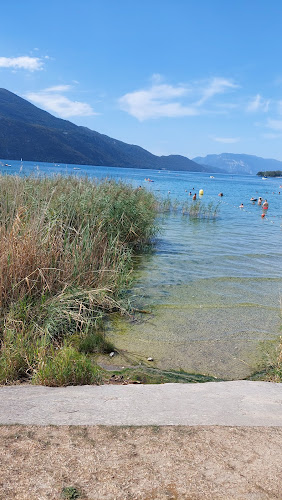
{"type": "Point", "coordinates": [213, 287]}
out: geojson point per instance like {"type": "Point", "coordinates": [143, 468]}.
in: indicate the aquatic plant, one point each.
{"type": "Point", "coordinates": [195, 209]}
{"type": "Point", "coordinates": [66, 366]}
{"type": "Point", "coordinates": [200, 210]}
{"type": "Point", "coordinates": [277, 366]}
{"type": "Point", "coordinates": [66, 247]}
{"type": "Point", "coordinates": [272, 370]}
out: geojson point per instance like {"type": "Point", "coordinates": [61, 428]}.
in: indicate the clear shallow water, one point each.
{"type": "Point", "coordinates": [213, 286]}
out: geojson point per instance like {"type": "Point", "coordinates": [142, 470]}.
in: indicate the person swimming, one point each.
{"type": "Point", "coordinates": [241, 206]}
{"type": "Point", "coordinates": [220, 194]}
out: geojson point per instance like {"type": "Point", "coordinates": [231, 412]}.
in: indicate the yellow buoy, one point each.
{"type": "Point", "coordinates": [201, 192]}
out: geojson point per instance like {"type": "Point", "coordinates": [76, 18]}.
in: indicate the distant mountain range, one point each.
{"type": "Point", "coordinates": [33, 134]}
{"type": "Point", "coordinates": [239, 163]}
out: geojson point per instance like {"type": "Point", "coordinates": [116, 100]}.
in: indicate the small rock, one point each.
{"type": "Point", "coordinates": [150, 359]}
{"type": "Point", "coordinates": [112, 354]}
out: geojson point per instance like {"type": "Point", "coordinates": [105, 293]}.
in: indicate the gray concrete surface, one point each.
{"type": "Point", "coordinates": [236, 403]}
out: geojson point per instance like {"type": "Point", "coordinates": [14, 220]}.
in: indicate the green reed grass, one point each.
{"type": "Point", "coordinates": [272, 371]}
{"type": "Point", "coordinates": [200, 210]}
{"type": "Point", "coordinates": [65, 367]}
{"type": "Point", "coordinates": [195, 209]}
{"type": "Point", "coordinates": [276, 371]}
{"type": "Point", "coordinates": [66, 248]}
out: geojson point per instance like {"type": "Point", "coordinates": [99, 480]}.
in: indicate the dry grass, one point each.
{"type": "Point", "coordinates": [146, 463]}
{"type": "Point", "coordinates": [65, 257]}
{"type": "Point", "coordinates": [62, 232]}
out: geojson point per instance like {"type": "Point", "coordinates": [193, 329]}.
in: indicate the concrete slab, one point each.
{"type": "Point", "coordinates": [236, 403]}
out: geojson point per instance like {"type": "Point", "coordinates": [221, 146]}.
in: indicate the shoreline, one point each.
{"type": "Point", "coordinates": [72, 321]}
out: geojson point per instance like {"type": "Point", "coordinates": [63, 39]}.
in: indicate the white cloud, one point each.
{"type": "Point", "coordinates": [59, 104]}
{"type": "Point", "coordinates": [163, 100]}
{"type": "Point", "coordinates": [274, 124]}
{"type": "Point", "coordinates": [258, 104]}
{"type": "Point", "coordinates": [58, 88]}
{"type": "Point", "coordinates": [157, 78]}
{"type": "Point", "coordinates": [214, 87]}
{"type": "Point", "coordinates": [24, 62]}
{"type": "Point", "coordinates": [155, 102]}
{"type": "Point", "coordinates": [227, 105]}
{"type": "Point", "coordinates": [271, 135]}
{"type": "Point", "coordinates": [226, 140]}
{"type": "Point", "coordinates": [279, 107]}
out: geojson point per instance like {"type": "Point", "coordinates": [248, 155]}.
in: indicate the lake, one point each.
{"type": "Point", "coordinates": [213, 287]}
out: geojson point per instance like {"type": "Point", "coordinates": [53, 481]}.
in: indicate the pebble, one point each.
{"type": "Point", "coordinates": [150, 359]}
{"type": "Point", "coordinates": [111, 354]}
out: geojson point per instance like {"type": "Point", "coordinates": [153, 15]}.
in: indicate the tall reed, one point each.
{"type": "Point", "coordinates": [65, 256]}
{"type": "Point", "coordinates": [194, 209]}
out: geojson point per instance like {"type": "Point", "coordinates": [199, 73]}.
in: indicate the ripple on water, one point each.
{"type": "Point", "coordinates": [215, 326]}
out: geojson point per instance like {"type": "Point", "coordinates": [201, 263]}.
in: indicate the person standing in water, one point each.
{"type": "Point", "coordinates": [265, 205]}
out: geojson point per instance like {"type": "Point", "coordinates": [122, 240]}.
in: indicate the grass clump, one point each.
{"type": "Point", "coordinates": [66, 248]}
{"type": "Point", "coordinates": [193, 209]}
{"type": "Point", "coordinates": [66, 366]}
{"type": "Point", "coordinates": [200, 210]}
{"type": "Point", "coordinates": [275, 372]}
{"type": "Point", "coordinates": [272, 372]}
{"type": "Point", "coordinates": [70, 493]}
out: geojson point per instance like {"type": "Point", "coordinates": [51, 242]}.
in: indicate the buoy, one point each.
{"type": "Point", "coordinates": [262, 215]}
{"type": "Point", "coordinates": [201, 192]}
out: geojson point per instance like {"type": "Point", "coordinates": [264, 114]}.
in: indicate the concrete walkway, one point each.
{"type": "Point", "coordinates": [236, 403]}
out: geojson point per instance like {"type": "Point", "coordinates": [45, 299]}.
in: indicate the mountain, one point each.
{"type": "Point", "coordinates": [33, 134]}
{"type": "Point", "coordinates": [239, 163]}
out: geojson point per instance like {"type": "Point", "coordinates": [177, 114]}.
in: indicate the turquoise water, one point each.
{"type": "Point", "coordinates": [213, 286]}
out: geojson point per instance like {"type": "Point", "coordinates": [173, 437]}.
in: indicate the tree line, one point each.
{"type": "Point", "coordinates": [270, 173]}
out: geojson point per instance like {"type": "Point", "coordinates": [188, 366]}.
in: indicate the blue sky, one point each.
{"type": "Point", "coordinates": [189, 77]}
